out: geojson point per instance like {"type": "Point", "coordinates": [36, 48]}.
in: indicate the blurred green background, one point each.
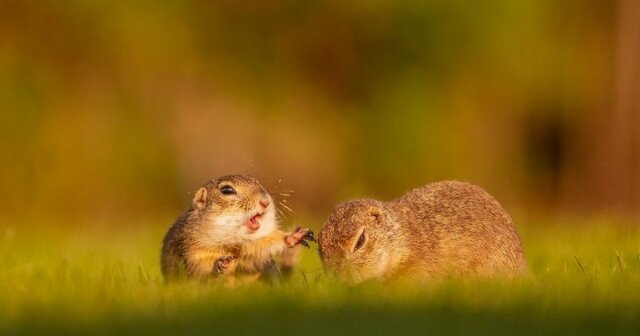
{"type": "Point", "coordinates": [113, 112]}
{"type": "Point", "coordinates": [114, 109]}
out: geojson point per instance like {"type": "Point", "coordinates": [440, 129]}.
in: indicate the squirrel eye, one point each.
{"type": "Point", "coordinates": [227, 190]}
{"type": "Point", "coordinates": [360, 242]}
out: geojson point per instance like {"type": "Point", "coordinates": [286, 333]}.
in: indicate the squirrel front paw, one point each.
{"type": "Point", "coordinates": [221, 265]}
{"type": "Point", "coordinates": [299, 236]}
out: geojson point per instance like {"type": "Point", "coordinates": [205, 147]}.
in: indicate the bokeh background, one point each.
{"type": "Point", "coordinates": [111, 110]}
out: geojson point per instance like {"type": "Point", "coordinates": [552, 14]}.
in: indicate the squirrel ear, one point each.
{"type": "Point", "coordinates": [200, 199]}
{"type": "Point", "coordinates": [375, 212]}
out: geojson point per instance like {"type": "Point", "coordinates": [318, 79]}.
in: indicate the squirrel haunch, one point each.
{"type": "Point", "coordinates": [444, 228]}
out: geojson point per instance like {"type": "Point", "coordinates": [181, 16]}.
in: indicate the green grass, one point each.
{"type": "Point", "coordinates": [585, 280]}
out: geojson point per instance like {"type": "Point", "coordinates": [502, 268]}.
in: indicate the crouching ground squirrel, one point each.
{"type": "Point", "coordinates": [442, 229]}
{"type": "Point", "coordinates": [231, 228]}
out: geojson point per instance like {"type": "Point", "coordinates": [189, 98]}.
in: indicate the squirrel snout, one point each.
{"type": "Point", "coordinates": [265, 202]}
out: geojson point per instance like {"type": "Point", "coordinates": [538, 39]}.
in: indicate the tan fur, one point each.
{"type": "Point", "coordinates": [445, 228]}
{"type": "Point", "coordinates": [214, 227]}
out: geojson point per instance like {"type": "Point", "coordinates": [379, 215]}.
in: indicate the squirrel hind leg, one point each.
{"type": "Point", "coordinates": [271, 273]}
{"type": "Point", "coordinates": [289, 261]}
{"type": "Point", "coordinates": [170, 265]}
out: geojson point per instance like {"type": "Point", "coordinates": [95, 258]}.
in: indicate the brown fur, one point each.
{"type": "Point", "coordinates": [444, 228]}
{"type": "Point", "coordinates": [214, 227]}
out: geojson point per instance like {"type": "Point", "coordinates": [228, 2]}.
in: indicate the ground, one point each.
{"type": "Point", "coordinates": [585, 280]}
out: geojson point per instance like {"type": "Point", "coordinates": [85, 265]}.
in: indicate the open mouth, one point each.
{"type": "Point", "coordinates": [253, 223]}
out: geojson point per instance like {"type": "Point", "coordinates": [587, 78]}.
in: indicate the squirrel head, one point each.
{"type": "Point", "coordinates": [358, 241]}
{"type": "Point", "coordinates": [235, 208]}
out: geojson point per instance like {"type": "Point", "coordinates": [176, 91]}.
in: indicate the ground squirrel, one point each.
{"type": "Point", "coordinates": [230, 228]}
{"type": "Point", "coordinates": [444, 228]}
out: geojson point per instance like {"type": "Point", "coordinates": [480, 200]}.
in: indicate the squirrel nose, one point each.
{"type": "Point", "coordinates": [265, 202]}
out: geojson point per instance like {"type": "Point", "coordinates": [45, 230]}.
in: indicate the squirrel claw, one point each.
{"type": "Point", "coordinates": [222, 263]}
{"type": "Point", "coordinates": [299, 236]}
{"type": "Point", "coordinates": [309, 236]}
